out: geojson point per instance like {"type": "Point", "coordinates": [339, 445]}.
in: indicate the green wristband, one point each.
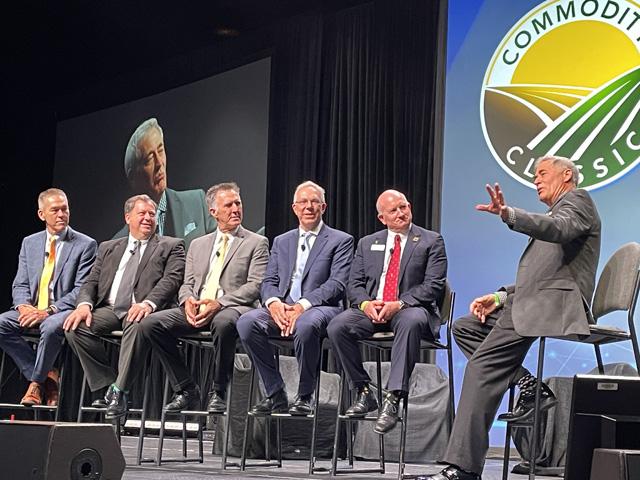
{"type": "Point", "coordinates": [363, 305]}
{"type": "Point", "coordinates": [496, 298]}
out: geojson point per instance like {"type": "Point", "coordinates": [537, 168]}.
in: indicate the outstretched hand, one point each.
{"type": "Point", "coordinates": [497, 205]}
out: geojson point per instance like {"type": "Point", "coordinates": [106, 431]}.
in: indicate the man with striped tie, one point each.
{"type": "Point", "coordinates": [51, 268]}
{"type": "Point", "coordinates": [396, 279]}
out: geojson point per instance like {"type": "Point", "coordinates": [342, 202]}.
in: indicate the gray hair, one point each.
{"type": "Point", "coordinates": [212, 193]}
{"type": "Point", "coordinates": [132, 153]}
{"type": "Point", "coordinates": [564, 162]}
{"type": "Point", "coordinates": [311, 184]}
{"type": "Point", "coordinates": [50, 192]}
{"type": "Point", "coordinates": [131, 202]}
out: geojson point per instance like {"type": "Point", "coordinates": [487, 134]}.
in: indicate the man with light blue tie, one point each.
{"type": "Point", "coordinates": [302, 291]}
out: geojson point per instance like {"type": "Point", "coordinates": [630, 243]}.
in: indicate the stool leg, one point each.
{"type": "Point", "coordinates": [316, 409]}
{"type": "Point", "coordinates": [507, 437]}
{"type": "Point", "coordinates": [336, 436]}
{"type": "Point", "coordinates": [143, 417]}
{"type": "Point", "coordinates": [536, 412]}
{"type": "Point", "coordinates": [82, 394]}
{"type": "Point", "coordinates": [249, 418]}
{"type": "Point", "coordinates": [163, 417]}
{"type": "Point", "coordinates": [63, 355]}
{"type": "Point", "coordinates": [403, 435]}
{"type": "Point", "coordinates": [227, 416]}
{"type": "Point", "coordinates": [379, 380]}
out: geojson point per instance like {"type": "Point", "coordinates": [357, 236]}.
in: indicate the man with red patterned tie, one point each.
{"type": "Point", "coordinates": [397, 278]}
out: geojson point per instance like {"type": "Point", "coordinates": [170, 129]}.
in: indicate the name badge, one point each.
{"type": "Point", "coordinates": [377, 247]}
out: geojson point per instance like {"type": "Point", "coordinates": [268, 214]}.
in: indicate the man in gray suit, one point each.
{"type": "Point", "coordinates": [131, 278]}
{"type": "Point", "coordinates": [397, 278]}
{"type": "Point", "coordinates": [222, 281]}
{"type": "Point", "coordinates": [181, 214]}
{"type": "Point", "coordinates": [553, 289]}
{"type": "Point", "coordinates": [51, 268]}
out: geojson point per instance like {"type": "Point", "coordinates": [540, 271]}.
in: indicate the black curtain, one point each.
{"type": "Point", "coordinates": [356, 105]}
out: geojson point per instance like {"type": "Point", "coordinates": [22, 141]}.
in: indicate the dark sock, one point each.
{"type": "Point", "coordinates": [305, 398]}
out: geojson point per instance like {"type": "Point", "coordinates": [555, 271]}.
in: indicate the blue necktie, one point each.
{"type": "Point", "coordinates": [303, 253]}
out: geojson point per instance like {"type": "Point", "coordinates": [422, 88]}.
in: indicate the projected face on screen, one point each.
{"type": "Point", "coordinates": [150, 173]}
{"type": "Point", "coordinates": [146, 160]}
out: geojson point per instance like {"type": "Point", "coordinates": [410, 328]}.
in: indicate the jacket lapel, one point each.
{"type": "Point", "coordinates": [64, 255]}
{"type": "Point", "coordinates": [152, 244]}
{"type": "Point", "coordinates": [233, 248]}
{"type": "Point", "coordinates": [318, 244]}
{"type": "Point", "coordinates": [413, 238]}
{"type": "Point", "coordinates": [292, 253]}
{"type": "Point", "coordinates": [112, 261]}
{"type": "Point", "coordinates": [37, 264]}
{"type": "Point", "coordinates": [377, 258]}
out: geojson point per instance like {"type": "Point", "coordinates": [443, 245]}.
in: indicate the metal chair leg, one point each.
{"type": "Point", "coordinates": [403, 435]}
{"type": "Point", "coordinates": [507, 437]}
{"type": "Point", "coordinates": [163, 418]}
{"type": "Point", "coordinates": [536, 412]}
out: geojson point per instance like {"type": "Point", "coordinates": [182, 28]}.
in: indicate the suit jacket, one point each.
{"type": "Point", "coordinates": [158, 277]}
{"type": "Point", "coordinates": [557, 271]}
{"type": "Point", "coordinates": [187, 216]}
{"type": "Point", "coordinates": [423, 271]}
{"type": "Point", "coordinates": [325, 274]}
{"type": "Point", "coordinates": [71, 269]}
{"type": "Point", "coordinates": [242, 271]}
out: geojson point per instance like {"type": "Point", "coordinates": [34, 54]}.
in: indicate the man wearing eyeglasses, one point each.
{"type": "Point", "coordinates": [302, 291]}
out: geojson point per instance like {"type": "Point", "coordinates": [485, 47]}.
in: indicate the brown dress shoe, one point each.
{"type": "Point", "coordinates": [33, 395]}
{"type": "Point", "coordinates": [52, 387]}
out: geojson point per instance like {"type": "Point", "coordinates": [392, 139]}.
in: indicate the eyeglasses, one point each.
{"type": "Point", "coordinates": [303, 203]}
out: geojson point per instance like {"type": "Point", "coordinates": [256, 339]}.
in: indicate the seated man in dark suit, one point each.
{"type": "Point", "coordinates": [553, 288]}
{"type": "Point", "coordinates": [222, 281]}
{"type": "Point", "coordinates": [183, 214]}
{"type": "Point", "coordinates": [396, 280]}
{"type": "Point", "coordinates": [51, 267]}
{"type": "Point", "coordinates": [302, 291]}
{"type": "Point", "coordinates": [131, 278]}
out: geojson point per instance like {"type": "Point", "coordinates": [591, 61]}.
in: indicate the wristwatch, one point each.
{"type": "Point", "coordinates": [50, 310]}
{"type": "Point", "coordinates": [402, 304]}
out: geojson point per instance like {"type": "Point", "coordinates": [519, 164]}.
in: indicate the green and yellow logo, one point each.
{"type": "Point", "coordinates": [566, 81]}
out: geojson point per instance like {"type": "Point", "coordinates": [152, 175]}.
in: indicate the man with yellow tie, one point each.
{"type": "Point", "coordinates": [51, 268]}
{"type": "Point", "coordinates": [222, 281]}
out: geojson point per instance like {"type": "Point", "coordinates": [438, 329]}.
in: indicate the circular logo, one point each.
{"type": "Point", "coordinates": [565, 81]}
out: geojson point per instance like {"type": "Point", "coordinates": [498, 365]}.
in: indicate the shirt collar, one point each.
{"type": "Point", "coordinates": [233, 233]}
{"type": "Point", "coordinates": [62, 236]}
{"type": "Point", "coordinates": [132, 240]}
{"type": "Point", "coordinates": [315, 231]}
{"type": "Point", "coordinates": [162, 204]}
{"type": "Point", "coordinates": [403, 236]}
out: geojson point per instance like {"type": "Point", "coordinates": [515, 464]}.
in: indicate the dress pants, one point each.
{"type": "Point", "coordinates": [162, 330]}
{"type": "Point", "coordinates": [90, 349]}
{"type": "Point", "coordinates": [255, 328]}
{"type": "Point", "coordinates": [33, 365]}
{"type": "Point", "coordinates": [409, 326]}
{"type": "Point", "coordinates": [493, 366]}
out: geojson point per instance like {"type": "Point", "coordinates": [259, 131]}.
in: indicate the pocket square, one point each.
{"type": "Point", "coordinates": [190, 227]}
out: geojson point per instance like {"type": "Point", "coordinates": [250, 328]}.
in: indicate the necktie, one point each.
{"type": "Point", "coordinates": [125, 289]}
{"type": "Point", "coordinates": [390, 292]}
{"type": "Point", "coordinates": [47, 274]}
{"type": "Point", "coordinates": [210, 290]}
{"type": "Point", "coordinates": [303, 254]}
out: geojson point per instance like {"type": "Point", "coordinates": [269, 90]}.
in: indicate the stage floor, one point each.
{"type": "Point", "coordinates": [292, 469]}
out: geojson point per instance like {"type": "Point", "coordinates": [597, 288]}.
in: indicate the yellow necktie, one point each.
{"type": "Point", "coordinates": [47, 275]}
{"type": "Point", "coordinates": [213, 282]}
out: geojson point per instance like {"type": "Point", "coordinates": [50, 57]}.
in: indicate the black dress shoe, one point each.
{"type": "Point", "coordinates": [526, 403]}
{"type": "Point", "coordinates": [365, 403]}
{"type": "Point", "coordinates": [106, 400]}
{"type": "Point", "coordinates": [217, 403]}
{"type": "Point", "coordinates": [184, 400]}
{"type": "Point", "coordinates": [302, 406]}
{"type": "Point", "coordinates": [276, 403]}
{"type": "Point", "coordinates": [451, 473]}
{"type": "Point", "coordinates": [388, 415]}
{"type": "Point", "coordinates": [118, 405]}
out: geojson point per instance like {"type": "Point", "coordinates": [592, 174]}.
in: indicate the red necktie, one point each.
{"type": "Point", "coordinates": [390, 292]}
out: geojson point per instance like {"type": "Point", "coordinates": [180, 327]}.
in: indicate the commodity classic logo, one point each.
{"type": "Point", "coordinates": [566, 81]}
